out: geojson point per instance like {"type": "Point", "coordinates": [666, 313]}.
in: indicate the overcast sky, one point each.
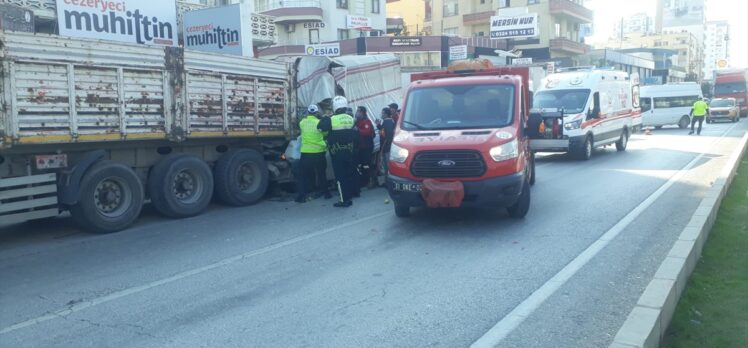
{"type": "Point", "coordinates": [607, 12]}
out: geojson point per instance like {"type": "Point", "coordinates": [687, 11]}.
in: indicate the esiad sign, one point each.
{"type": "Point", "coordinates": [135, 21]}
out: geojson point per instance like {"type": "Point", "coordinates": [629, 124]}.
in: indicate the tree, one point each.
{"type": "Point", "coordinates": [706, 89]}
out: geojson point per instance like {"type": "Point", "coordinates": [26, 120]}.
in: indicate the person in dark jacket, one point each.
{"type": "Point", "coordinates": [394, 112]}
{"type": "Point", "coordinates": [341, 136]}
{"type": "Point", "coordinates": [387, 134]}
{"type": "Point", "coordinates": [365, 145]}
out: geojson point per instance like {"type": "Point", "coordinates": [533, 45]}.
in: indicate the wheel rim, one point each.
{"type": "Point", "coordinates": [247, 177]}
{"type": "Point", "coordinates": [187, 186]}
{"type": "Point", "coordinates": [112, 197]}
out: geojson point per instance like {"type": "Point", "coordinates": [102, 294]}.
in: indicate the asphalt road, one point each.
{"type": "Point", "coordinates": [281, 274]}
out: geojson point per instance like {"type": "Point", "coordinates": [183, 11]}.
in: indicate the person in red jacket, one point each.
{"type": "Point", "coordinates": [365, 146]}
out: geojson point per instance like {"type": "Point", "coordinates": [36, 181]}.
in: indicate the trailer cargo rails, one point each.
{"type": "Point", "coordinates": [98, 128]}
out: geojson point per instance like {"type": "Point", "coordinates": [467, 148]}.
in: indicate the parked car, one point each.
{"type": "Point", "coordinates": [723, 109]}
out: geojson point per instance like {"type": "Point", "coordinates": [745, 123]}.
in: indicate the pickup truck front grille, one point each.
{"type": "Point", "coordinates": [448, 164]}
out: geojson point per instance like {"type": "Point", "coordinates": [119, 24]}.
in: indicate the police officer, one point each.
{"type": "Point", "coordinates": [313, 159]}
{"type": "Point", "coordinates": [699, 111]}
{"type": "Point", "coordinates": [340, 142]}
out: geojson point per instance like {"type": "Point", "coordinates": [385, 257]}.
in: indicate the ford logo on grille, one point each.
{"type": "Point", "coordinates": [446, 163]}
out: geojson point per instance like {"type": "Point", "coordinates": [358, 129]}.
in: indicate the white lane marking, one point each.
{"type": "Point", "coordinates": [511, 321]}
{"type": "Point", "coordinates": [134, 290]}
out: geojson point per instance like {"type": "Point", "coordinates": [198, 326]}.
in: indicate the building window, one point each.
{"type": "Point", "coordinates": [504, 3]}
{"type": "Point", "coordinates": [450, 31]}
{"type": "Point", "coordinates": [450, 8]}
{"type": "Point", "coordinates": [533, 2]}
{"type": "Point", "coordinates": [482, 1]}
{"type": "Point", "coordinates": [343, 34]}
{"type": "Point", "coordinates": [342, 4]}
{"type": "Point", "coordinates": [313, 36]}
{"type": "Point", "coordinates": [374, 6]}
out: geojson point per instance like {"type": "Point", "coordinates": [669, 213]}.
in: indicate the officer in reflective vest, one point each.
{"type": "Point", "coordinates": [340, 139]}
{"type": "Point", "coordinates": [699, 111]}
{"type": "Point", "coordinates": [313, 158]}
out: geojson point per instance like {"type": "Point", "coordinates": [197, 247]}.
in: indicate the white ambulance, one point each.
{"type": "Point", "coordinates": [579, 109]}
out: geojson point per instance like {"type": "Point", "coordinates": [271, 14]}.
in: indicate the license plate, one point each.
{"type": "Point", "coordinates": [51, 161]}
{"type": "Point", "coordinates": [407, 187]}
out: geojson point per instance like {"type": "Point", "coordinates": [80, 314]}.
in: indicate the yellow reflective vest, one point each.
{"type": "Point", "coordinates": [312, 139]}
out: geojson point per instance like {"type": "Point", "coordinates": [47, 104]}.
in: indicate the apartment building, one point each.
{"type": "Point", "coordinates": [406, 17]}
{"type": "Point", "coordinates": [560, 23]}
{"type": "Point", "coordinates": [689, 53]}
{"type": "Point", "coordinates": [716, 43]}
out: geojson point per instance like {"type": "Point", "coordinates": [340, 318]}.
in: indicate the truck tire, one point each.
{"type": "Point", "coordinates": [623, 141]}
{"type": "Point", "coordinates": [584, 152]}
{"type": "Point", "coordinates": [522, 206]}
{"type": "Point", "coordinates": [532, 168]}
{"type": "Point", "coordinates": [684, 122]}
{"type": "Point", "coordinates": [111, 198]}
{"type": "Point", "coordinates": [241, 177]}
{"type": "Point", "coordinates": [180, 186]}
{"type": "Point", "coordinates": [402, 211]}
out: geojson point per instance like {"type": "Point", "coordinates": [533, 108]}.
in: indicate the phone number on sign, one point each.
{"type": "Point", "coordinates": [516, 32]}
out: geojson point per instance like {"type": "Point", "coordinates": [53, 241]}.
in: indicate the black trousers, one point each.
{"type": "Point", "coordinates": [365, 165]}
{"type": "Point", "coordinates": [344, 166]}
{"type": "Point", "coordinates": [313, 173]}
{"type": "Point", "coordinates": [700, 120]}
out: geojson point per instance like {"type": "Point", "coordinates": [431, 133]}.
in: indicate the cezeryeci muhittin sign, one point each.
{"type": "Point", "coordinates": [135, 21]}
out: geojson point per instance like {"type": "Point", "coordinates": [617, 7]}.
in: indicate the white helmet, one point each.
{"type": "Point", "coordinates": [339, 102]}
{"type": "Point", "coordinates": [313, 109]}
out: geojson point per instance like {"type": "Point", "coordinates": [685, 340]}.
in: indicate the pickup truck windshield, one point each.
{"type": "Point", "coordinates": [722, 103]}
{"type": "Point", "coordinates": [572, 101]}
{"type": "Point", "coordinates": [729, 88]}
{"type": "Point", "coordinates": [459, 107]}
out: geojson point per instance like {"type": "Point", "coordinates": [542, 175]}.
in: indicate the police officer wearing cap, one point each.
{"type": "Point", "coordinates": [340, 139]}
{"type": "Point", "coordinates": [313, 159]}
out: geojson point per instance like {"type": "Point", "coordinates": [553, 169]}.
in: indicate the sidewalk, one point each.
{"type": "Point", "coordinates": [713, 310]}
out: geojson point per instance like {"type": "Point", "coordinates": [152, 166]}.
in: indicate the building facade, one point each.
{"type": "Point", "coordinates": [561, 23]}
{"type": "Point", "coordinates": [406, 17]}
{"type": "Point", "coordinates": [637, 23]}
{"type": "Point", "coordinates": [688, 52]}
{"type": "Point", "coordinates": [716, 47]}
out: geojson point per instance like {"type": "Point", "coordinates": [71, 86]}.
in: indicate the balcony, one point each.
{"type": "Point", "coordinates": [395, 25]}
{"type": "Point", "coordinates": [571, 10]}
{"type": "Point", "coordinates": [291, 11]}
{"type": "Point", "coordinates": [477, 18]}
{"type": "Point", "coordinates": [568, 46]}
{"type": "Point", "coordinates": [44, 9]}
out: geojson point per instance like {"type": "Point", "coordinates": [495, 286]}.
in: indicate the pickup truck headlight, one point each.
{"type": "Point", "coordinates": [398, 154]}
{"type": "Point", "coordinates": [573, 124]}
{"type": "Point", "coordinates": [505, 152]}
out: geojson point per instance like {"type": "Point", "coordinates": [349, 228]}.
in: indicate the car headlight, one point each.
{"type": "Point", "coordinates": [398, 154]}
{"type": "Point", "coordinates": [573, 124]}
{"type": "Point", "coordinates": [505, 152]}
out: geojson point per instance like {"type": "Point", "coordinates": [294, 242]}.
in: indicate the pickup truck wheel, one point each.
{"type": "Point", "coordinates": [684, 122]}
{"type": "Point", "coordinates": [622, 141]}
{"type": "Point", "coordinates": [532, 168]}
{"type": "Point", "coordinates": [111, 198]}
{"type": "Point", "coordinates": [241, 177]}
{"type": "Point", "coordinates": [522, 206]}
{"type": "Point", "coordinates": [402, 211]}
{"type": "Point", "coordinates": [180, 186]}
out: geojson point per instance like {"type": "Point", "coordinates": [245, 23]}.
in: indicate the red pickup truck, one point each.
{"type": "Point", "coordinates": [461, 140]}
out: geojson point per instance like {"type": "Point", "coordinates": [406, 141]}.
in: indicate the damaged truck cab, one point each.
{"type": "Point", "coordinates": [461, 140]}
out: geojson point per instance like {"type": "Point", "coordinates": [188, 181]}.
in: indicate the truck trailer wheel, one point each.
{"type": "Point", "coordinates": [402, 211]}
{"type": "Point", "coordinates": [111, 198]}
{"type": "Point", "coordinates": [180, 186]}
{"type": "Point", "coordinates": [522, 206]}
{"type": "Point", "coordinates": [241, 177]}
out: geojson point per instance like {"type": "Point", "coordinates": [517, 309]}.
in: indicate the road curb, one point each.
{"type": "Point", "coordinates": [647, 323]}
